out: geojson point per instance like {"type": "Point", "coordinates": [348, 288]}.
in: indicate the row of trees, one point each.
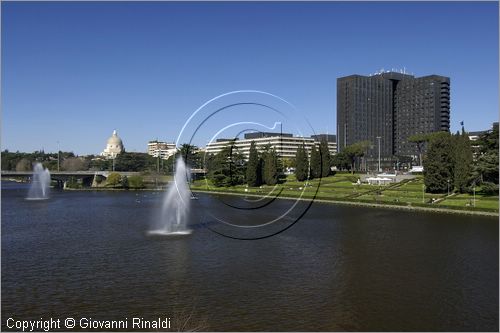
{"type": "Point", "coordinates": [452, 163]}
{"type": "Point", "coordinates": [229, 168]}
{"type": "Point", "coordinates": [17, 161]}
{"type": "Point", "coordinates": [346, 159]}
{"type": "Point", "coordinates": [320, 162]}
{"type": "Point", "coordinates": [67, 161]}
{"type": "Point", "coordinates": [117, 180]}
{"type": "Point", "coordinates": [448, 162]}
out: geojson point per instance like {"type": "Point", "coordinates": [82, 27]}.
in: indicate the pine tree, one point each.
{"type": "Point", "coordinates": [463, 162]}
{"type": "Point", "coordinates": [439, 162]}
{"type": "Point", "coordinates": [227, 168]}
{"type": "Point", "coordinates": [325, 157]}
{"type": "Point", "coordinates": [270, 169]}
{"type": "Point", "coordinates": [253, 172]}
{"type": "Point", "coordinates": [315, 163]}
{"type": "Point", "coordinates": [301, 164]}
{"type": "Point", "coordinates": [486, 164]}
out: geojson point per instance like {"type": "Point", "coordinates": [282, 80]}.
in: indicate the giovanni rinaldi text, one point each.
{"type": "Point", "coordinates": [50, 324]}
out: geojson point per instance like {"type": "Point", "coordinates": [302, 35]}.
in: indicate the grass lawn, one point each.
{"type": "Point", "coordinates": [467, 201]}
{"type": "Point", "coordinates": [344, 187]}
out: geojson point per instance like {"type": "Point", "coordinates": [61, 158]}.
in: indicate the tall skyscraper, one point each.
{"type": "Point", "coordinates": [392, 106]}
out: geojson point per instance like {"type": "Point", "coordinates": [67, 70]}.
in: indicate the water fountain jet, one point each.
{"type": "Point", "coordinates": [40, 183]}
{"type": "Point", "coordinates": [175, 209]}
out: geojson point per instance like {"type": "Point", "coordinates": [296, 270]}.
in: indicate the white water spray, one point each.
{"type": "Point", "coordinates": [175, 209]}
{"type": "Point", "coordinates": [40, 183]}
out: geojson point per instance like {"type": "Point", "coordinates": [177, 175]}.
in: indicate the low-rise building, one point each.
{"type": "Point", "coordinates": [162, 149]}
{"type": "Point", "coordinates": [285, 144]}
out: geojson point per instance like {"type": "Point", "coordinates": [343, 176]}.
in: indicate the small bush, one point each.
{"type": "Point", "coordinates": [135, 182]}
{"type": "Point", "coordinates": [124, 182]}
{"type": "Point", "coordinates": [113, 179]}
{"type": "Point", "coordinates": [352, 179]}
{"type": "Point", "coordinates": [488, 188]}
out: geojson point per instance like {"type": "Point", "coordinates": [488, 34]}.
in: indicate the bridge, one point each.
{"type": "Point", "coordinates": [6, 173]}
{"type": "Point", "coordinates": [87, 177]}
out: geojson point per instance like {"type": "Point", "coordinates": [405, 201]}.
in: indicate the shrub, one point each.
{"type": "Point", "coordinates": [135, 182]}
{"type": "Point", "coordinates": [488, 188]}
{"type": "Point", "coordinates": [113, 179]}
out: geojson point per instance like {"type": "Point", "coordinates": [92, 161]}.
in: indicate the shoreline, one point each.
{"type": "Point", "coordinates": [367, 204]}
{"type": "Point", "coordinates": [324, 201]}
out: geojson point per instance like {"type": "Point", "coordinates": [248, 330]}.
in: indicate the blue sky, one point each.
{"type": "Point", "coordinates": [73, 72]}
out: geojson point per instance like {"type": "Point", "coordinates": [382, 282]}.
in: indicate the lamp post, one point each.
{"type": "Point", "coordinates": [448, 181]}
{"type": "Point", "coordinates": [281, 138]}
{"type": "Point", "coordinates": [58, 154]}
{"type": "Point", "coordinates": [423, 193]}
{"type": "Point", "coordinates": [379, 169]}
{"type": "Point", "coordinates": [474, 194]}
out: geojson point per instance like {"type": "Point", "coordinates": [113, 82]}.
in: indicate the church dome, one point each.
{"type": "Point", "coordinates": [114, 146]}
{"type": "Point", "coordinates": [115, 140]}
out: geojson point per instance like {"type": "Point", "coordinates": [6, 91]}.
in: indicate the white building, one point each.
{"type": "Point", "coordinates": [114, 146]}
{"type": "Point", "coordinates": [163, 149]}
{"type": "Point", "coordinates": [285, 145]}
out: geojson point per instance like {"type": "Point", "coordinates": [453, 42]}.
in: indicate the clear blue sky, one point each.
{"type": "Point", "coordinates": [73, 72]}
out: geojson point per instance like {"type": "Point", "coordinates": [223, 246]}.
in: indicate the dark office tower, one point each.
{"type": "Point", "coordinates": [421, 105]}
{"type": "Point", "coordinates": [365, 111]}
{"type": "Point", "coordinates": [392, 106]}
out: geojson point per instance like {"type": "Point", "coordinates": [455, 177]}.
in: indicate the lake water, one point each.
{"type": "Point", "coordinates": [86, 254]}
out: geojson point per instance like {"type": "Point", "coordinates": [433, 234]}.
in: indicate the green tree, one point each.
{"type": "Point", "coordinates": [325, 157]}
{"type": "Point", "coordinates": [420, 140]}
{"type": "Point", "coordinates": [355, 151]}
{"type": "Point", "coordinates": [315, 163]}
{"type": "Point", "coordinates": [301, 164]}
{"type": "Point", "coordinates": [254, 171]}
{"type": "Point", "coordinates": [100, 164]}
{"type": "Point", "coordinates": [270, 169]}
{"type": "Point", "coordinates": [124, 182]}
{"type": "Point", "coordinates": [191, 156]}
{"type": "Point", "coordinates": [227, 168]}
{"type": "Point", "coordinates": [74, 164]}
{"type": "Point", "coordinates": [486, 164]}
{"type": "Point", "coordinates": [486, 167]}
{"type": "Point", "coordinates": [439, 163]}
{"type": "Point", "coordinates": [135, 182]}
{"type": "Point", "coordinates": [114, 179]}
{"type": "Point", "coordinates": [24, 164]}
{"type": "Point", "coordinates": [463, 162]}
{"type": "Point", "coordinates": [135, 162]}
{"type": "Point", "coordinates": [341, 161]}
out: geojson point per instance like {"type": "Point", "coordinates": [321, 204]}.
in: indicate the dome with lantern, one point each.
{"type": "Point", "coordinates": [114, 146]}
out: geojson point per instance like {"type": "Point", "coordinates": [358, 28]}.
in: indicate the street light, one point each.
{"type": "Point", "coordinates": [281, 138]}
{"type": "Point", "coordinates": [58, 158]}
{"type": "Point", "coordinates": [448, 181]}
{"type": "Point", "coordinates": [423, 193]}
{"type": "Point", "coordinates": [474, 194]}
{"type": "Point", "coordinates": [379, 169]}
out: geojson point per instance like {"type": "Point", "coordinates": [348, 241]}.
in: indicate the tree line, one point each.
{"type": "Point", "coordinates": [68, 161]}
{"type": "Point", "coordinates": [453, 163]}
{"type": "Point", "coordinates": [229, 167]}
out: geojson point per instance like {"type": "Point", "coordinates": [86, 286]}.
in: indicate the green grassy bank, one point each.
{"type": "Point", "coordinates": [342, 188]}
